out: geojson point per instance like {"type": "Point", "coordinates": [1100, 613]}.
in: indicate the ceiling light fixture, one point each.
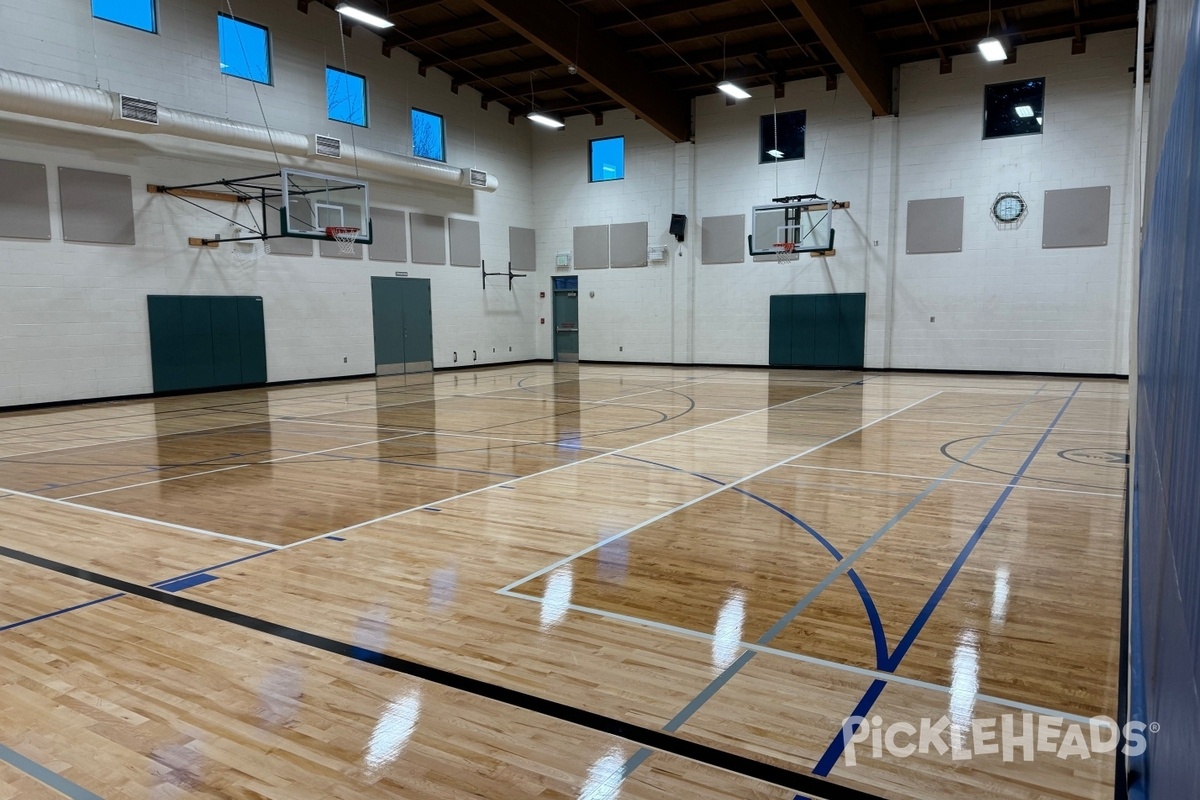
{"type": "Point", "coordinates": [990, 46]}
{"type": "Point", "coordinates": [1024, 112]}
{"type": "Point", "coordinates": [536, 116]}
{"type": "Point", "coordinates": [732, 90]}
{"type": "Point", "coordinates": [347, 10]}
{"type": "Point", "coordinates": [775, 153]}
{"type": "Point", "coordinates": [542, 119]}
{"type": "Point", "coordinates": [992, 50]}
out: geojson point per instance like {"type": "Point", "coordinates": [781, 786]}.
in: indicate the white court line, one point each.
{"type": "Point", "coordinates": [820, 662]}
{"type": "Point", "coordinates": [609, 401]}
{"type": "Point", "coordinates": [266, 419]}
{"type": "Point", "coordinates": [238, 466]}
{"type": "Point", "coordinates": [956, 480]}
{"type": "Point", "coordinates": [1009, 427]}
{"type": "Point", "coordinates": [483, 436]}
{"type": "Point", "coordinates": [148, 520]}
{"type": "Point", "coordinates": [709, 494]}
{"type": "Point", "coordinates": [511, 481]}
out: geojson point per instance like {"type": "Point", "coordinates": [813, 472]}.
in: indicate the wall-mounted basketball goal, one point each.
{"type": "Point", "coordinates": [307, 205]}
{"type": "Point", "coordinates": [790, 226]}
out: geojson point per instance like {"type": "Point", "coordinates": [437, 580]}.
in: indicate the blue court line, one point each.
{"type": "Point", "coordinates": [843, 566]}
{"type": "Point", "coordinates": [187, 583]}
{"type": "Point", "coordinates": [838, 745]}
{"type": "Point", "coordinates": [881, 648]}
{"type": "Point", "coordinates": [50, 614]}
{"type": "Point", "coordinates": [52, 779]}
{"type": "Point", "coordinates": [157, 585]}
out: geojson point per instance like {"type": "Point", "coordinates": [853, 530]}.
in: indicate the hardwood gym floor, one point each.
{"type": "Point", "coordinates": [503, 583]}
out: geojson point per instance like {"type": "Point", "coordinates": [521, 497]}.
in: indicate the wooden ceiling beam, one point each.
{"type": "Point", "coordinates": [600, 57]}
{"type": "Point", "coordinates": [714, 55]}
{"type": "Point", "coordinates": [451, 55]}
{"type": "Point", "coordinates": [1048, 26]}
{"type": "Point", "coordinates": [842, 31]}
{"type": "Point", "coordinates": [522, 67]}
{"type": "Point", "coordinates": [437, 30]}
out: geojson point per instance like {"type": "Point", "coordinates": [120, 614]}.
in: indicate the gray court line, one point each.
{"type": "Point", "coordinates": [52, 779]}
{"type": "Point", "coordinates": [873, 674]}
{"type": "Point", "coordinates": [843, 566]}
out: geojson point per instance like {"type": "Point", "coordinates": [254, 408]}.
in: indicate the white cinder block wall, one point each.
{"type": "Point", "coordinates": [73, 320]}
{"type": "Point", "coordinates": [1004, 303]}
{"type": "Point", "coordinates": [73, 316]}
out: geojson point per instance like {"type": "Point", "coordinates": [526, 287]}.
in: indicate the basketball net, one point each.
{"type": "Point", "coordinates": [346, 238]}
{"type": "Point", "coordinates": [247, 253]}
{"type": "Point", "coordinates": [785, 252]}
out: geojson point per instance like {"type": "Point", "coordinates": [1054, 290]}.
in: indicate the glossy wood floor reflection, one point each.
{"type": "Point", "coordinates": [209, 595]}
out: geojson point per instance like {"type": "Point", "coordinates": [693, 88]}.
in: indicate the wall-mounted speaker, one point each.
{"type": "Point", "coordinates": [678, 226]}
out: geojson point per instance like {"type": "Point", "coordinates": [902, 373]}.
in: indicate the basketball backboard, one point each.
{"type": "Point", "coordinates": [806, 226]}
{"type": "Point", "coordinates": [312, 204]}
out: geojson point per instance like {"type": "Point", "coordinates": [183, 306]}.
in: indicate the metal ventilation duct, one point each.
{"type": "Point", "coordinates": [67, 102]}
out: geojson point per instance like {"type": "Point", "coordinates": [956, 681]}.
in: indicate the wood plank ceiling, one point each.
{"type": "Point", "coordinates": [574, 57]}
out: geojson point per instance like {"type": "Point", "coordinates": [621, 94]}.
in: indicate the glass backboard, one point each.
{"type": "Point", "coordinates": [312, 204]}
{"type": "Point", "coordinates": [805, 226]}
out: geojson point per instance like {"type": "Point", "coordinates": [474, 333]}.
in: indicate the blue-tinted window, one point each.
{"type": "Point", "coordinates": [346, 94]}
{"type": "Point", "coordinates": [429, 135]}
{"type": "Point", "coordinates": [606, 161]}
{"type": "Point", "coordinates": [781, 136]}
{"type": "Point", "coordinates": [134, 13]}
{"type": "Point", "coordinates": [245, 49]}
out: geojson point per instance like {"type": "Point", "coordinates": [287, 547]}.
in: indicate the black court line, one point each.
{"type": "Point", "coordinates": [647, 737]}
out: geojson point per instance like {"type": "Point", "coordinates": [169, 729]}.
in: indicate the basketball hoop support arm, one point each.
{"type": "Point", "coordinates": [511, 275]}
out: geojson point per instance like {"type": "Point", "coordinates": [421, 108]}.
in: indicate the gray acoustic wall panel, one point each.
{"type": "Point", "coordinates": [97, 207]}
{"type": "Point", "coordinates": [723, 239]}
{"type": "Point", "coordinates": [24, 201]}
{"type": "Point", "coordinates": [522, 249]}
{"type": "Point", "coordinates": [628, 242]}
{"type": "Point", "coordinates": [390, 239]}
{"type": "Point", "coordinates": [464, 243]}
{"type": "Point", "coordinates": [591, 247]}
{"type": "Point", "coordinates": [290, 246]}
{"type": "Point", "coordinates": [428, 239]}
{"type": "Point", "coordinates": [1076, 217]}
{"type": "Point", "coordinates": [935, 226]}
{"type": "Point", "coordinates": [352, 217]}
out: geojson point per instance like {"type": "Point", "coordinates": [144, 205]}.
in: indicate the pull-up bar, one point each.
{"type": "Point", "coordinates": [511, 275]}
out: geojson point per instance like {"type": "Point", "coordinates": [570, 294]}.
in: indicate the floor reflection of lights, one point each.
{"type": "Point", "coordinates": [727, 633]}
{"type": "Point", "coordinates": [393, 730]}
{"type": "Point", "coordinates": [557, 599]}
{"type": "Point", "coordinates": [605, 777]}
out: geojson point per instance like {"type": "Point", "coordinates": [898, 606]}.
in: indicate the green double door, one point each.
{"type": "Point", "coordinates": [818, 330]}
{"type": "Point", "coordinates": [204, 342]}
{"type": "Point", "coordinates": [402, 317]}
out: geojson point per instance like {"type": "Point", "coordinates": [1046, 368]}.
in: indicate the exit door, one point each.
{"type": "Point", "coordinates": [402, 317]}
{"type": "Point", "coordinates": [566, 318]}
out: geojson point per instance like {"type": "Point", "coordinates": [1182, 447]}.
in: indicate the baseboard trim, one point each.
{"type": "Point", "coordinates": [459, 367]}
{"type": "Point", "coordinates": [868, 370]}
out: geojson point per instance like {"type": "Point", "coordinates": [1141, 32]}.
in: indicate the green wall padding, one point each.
{"type": "Point", "coordinates": [203, 342]}
{"type": "Point", "coordinates": [817, 330]}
